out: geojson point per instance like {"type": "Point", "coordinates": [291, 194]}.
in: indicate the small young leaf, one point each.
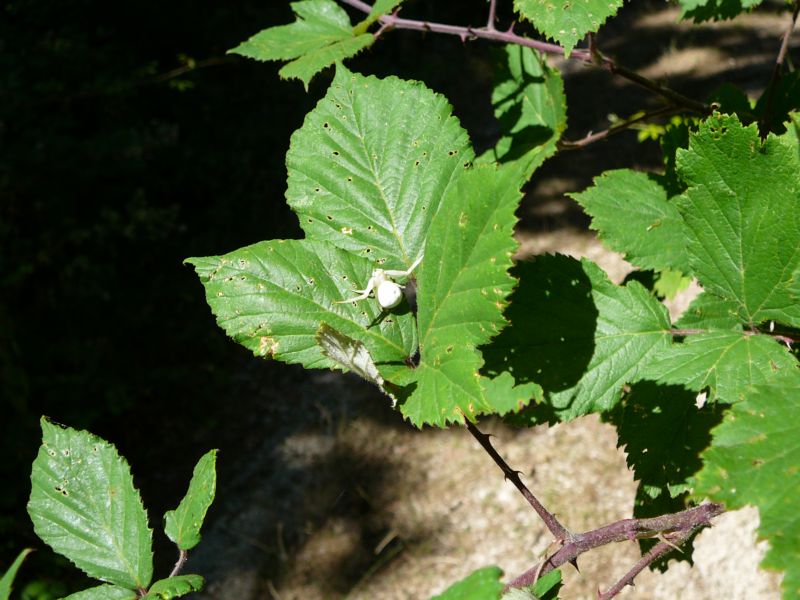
{"type": "Point", "coordinates": [84, 506]}
{"type": "Point", "coordinates": [174, 587]}
{"type": "Point", "coordinates": [548, 585]}
{"type": "Point", "coordinates": [104, 592]}
{"type": "Point", "coordinates": [350, 355]}
{"type": "Point", "coordinates": [531, 108]}
{"type": "Point", "coordinates": [8, 577]}
{"type": "Point", "coordinates": [320, 36]}
{"type": "Point", "coordinates": [483, 584]}
{"type": "Point", "coordinates": [578, 335]}
{"type": "Point", "coordinates": [567, 21]}
{"type": "Point", "coordinates": [754, 459]}
{"type": "Point", "coordinates": [370, 165]}
{"type": "Point", "coordinates": [631, 213]}
{"type": "Point", "coordinates": [463, 284]}
{"type": "Point", "coordinates": [272, 297]}
{"type": "Point", "coordinates": [727, 362]}
{"type": "Point", "coordinates": [183, 524]}
{"type": "Point", "coordinates": [380, 8]}
{"type": "Point", "coordinates": [742, 217]}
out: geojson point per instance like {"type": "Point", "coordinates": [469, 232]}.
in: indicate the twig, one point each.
{"type": "Point", "coordinates": [617, 128]}
{"type": "Point", "coordinates": [670, 543]}
{"type": "Point", "coordinates": [182, 556]}
{"type": "Point", "coordinates": [556, 528]}
{"type": "Point", "coordinates": [777, 70]}
{"type": "Point", "coordinates": [627, 529]}
{"type": "Point", "coordinates": [509, 37]}
{"type": "Point", "coordinates": [492, 15]}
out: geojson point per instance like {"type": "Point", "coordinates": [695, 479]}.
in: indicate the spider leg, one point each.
{"type": "Point", "coordinates": [395, 273]}
{"type": "Point", "coordinates": [363, 294]}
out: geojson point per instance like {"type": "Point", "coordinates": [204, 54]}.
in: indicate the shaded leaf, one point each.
{"type": "Point", "coordinates": [578, 335]}
{"type": "Point", "coordinates": [175, 587]}
{"type": "Point", "coordinates": [727, 362]}
{"type": "Point", "coordinates": [183, 524]}
{"type": "Point", "coordinates": [272, 297]}
{"type": "Point", "coordinates": [632, 215]}
{"type": "Point", "coordinates": [483, 584]}
{"type": "Point", "coordinates": [84, 506]}
{"type": "Point", "coordinates": [743, 218]}
{"type": "Point", "coordinates": [530, 105]}
{"type": "Point", "coordinates": [463, 285]}
{"type": "Point", "coordinates": [567, 21]}
{"type": "Point", "coordinates": [104, 592]}
{"type": "Point", "coordinates": [320, 36]}
{"type": "Point", "coordinates": [755, 460]}
{"type": "Point", "coordinates": [370, 164]}
{"type": "Point", "coordinates": [7, 579]}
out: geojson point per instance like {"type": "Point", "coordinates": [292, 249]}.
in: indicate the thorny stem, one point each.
{"type": "Point", "coordinates": [509, 37]}
{"type": "Point", "coordinates": [556, 528]}
{"type": "Point", "coordinates": [617, 128]}
{"type": "Point", "coordinates": [677, 525]}
{"type": "Point", "coordinates": [671, 543]}
{"type": "Point", "coordinates": [182, 556]}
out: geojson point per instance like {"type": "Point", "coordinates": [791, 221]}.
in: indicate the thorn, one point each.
{"type": "Point", "coordinates": [631, 583]}
{"type": "Point", "coordinates": [511, 27]}
{"type": "Point", "coordinates": [574, 563]}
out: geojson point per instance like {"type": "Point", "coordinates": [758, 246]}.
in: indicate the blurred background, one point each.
{"type": "Point", "coordinates": [129, 141]}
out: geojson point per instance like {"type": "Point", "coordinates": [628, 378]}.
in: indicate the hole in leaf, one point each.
{"type": "Point", "coordinates": [330, 218]}
{"type": "Point", "coordinates": [336, 153]}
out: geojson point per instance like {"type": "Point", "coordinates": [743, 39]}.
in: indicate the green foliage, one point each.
{"type": "Point", "coordinates": [566, 21]}
{"type": "Point", "coordinates": [380, 8]}
{"type": "Point", "coordinates": [319, 37]}
{"type": "Point", "coordinates": [716, 10]}
{"type": "Point", "coordinates": [578, 335]}
{"type": "Point", "coordinates": [483, 584]}
{"type": "Point", "coordinates": [632, 214]}
{"type": "Point", "coordinates": [174, 587]}
{"type": "Point", "coordinates": [754, 460]}
{"type": "Point", "coordinates": [7, 579]}
{"type": "Point", "coordinates": [530, 105]}
{"type": "Point", "coordinates": [83, 504]}
{"type": "Point", "coordinates": [183, 524]}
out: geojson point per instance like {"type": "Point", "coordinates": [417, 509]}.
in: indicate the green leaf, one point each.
{"type": "Point", "coordinates": [463, 285]}
{"type": "Point", "coordinates": [727, 362]}
{"type": "Point", "coordinates": [8, 577]}
{"type": "Point", "coordinates": [175, 587]}
{"type": "Point", "coordinates": [716, 10]}
{"type": "Point", "coordinates": [351, 355]}
{"type": "Point", "coordinates": [632, 215]}
{"type": "Point", "coordinates": [755, 460]}
{"type": "Point", "coordinates": [84, 506]}
{"type": "Point", "coordinates": [320, 36]}
{"type": "Point", "coordinates": [183, 524]}
{"type": "Point", "coordinates": [548, 585]}
{"type": "Point", "coordinates": [708, 311]}
{"type": "Point", "coordinates": [567, 21]}
{"type": "Point", "coordinates": [742, 217]}
{"type": "Point", "coordinates": [370, 164]}
{"type": "Point", "coordinates": [531, 108]}
{"type": "Point", "coordinates": [669, 283]}
{"type": "Point", "coordinates": [483, 584]}
{"type": "Point", "coordinates": [104, 592]}
{"type": "Point", "coordinates": [380, 8]}
{"type": "Point", "coordinates": [578, 335]}
{"type": "Point", "coordinates": [271, 297]}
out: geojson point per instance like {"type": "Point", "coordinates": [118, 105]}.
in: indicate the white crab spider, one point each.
{"type": "Point", "coordinates": [387, 292]}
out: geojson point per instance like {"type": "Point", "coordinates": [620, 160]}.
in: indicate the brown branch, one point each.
{"type": "Point", "coordinates": [617, 128]}
{"type": "Point", "coordinates": [670, 543]}
{"type": "Point", "coordinates": [627, 529]}
{"type": "Point", "coordinates": [766, 119]}
{"type": "Point", "coordinates": [182, 556]}
{"type": "Point", "coordinates": [556, 528]}
{"type": "Point", "coordinates": [490, 21]}
{"type": "Point", "coordinates": [509, 37]}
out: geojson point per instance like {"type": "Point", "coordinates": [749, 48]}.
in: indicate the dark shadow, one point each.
{"type": "Point", "coordinates": [550, 339]}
